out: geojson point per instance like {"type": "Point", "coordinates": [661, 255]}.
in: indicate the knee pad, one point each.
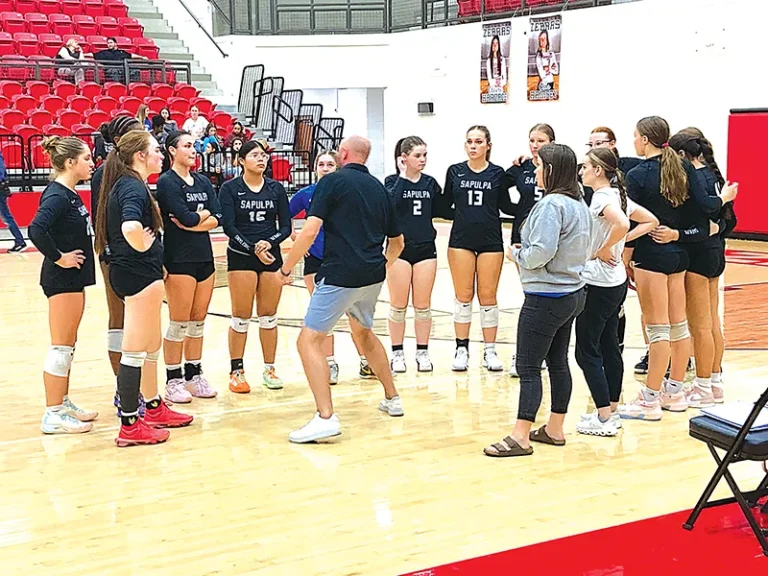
{"type": "Point", "coordinates": [489, 316]}
{"type": "Point", "coordinates": [422, 315]}
{"type": "Point", "coordinates": [267, 322]}
{"type": "Point", "coordinates": [462, 312]}
{"type": "Point", "coordinates": [59, 360]}
{"type": "Point", "coordinates": [153, 356]}
{"type": "Point", "coordinates": [195, 329]}
{"type": "Point", "coordinates": [657, 332]}
{"type": "Point", "coordinates": [115, 340]}
{"type": "Point", "coordinates": [397, 315]}
{"type": "Point", "coordinates": [679, 331]}
{"type": "Point", "coordinates": [176, 331]}
{"type": "Point", "coordinates": [133, 359]}
{"type": "Point", "coordinates": [240, 325]}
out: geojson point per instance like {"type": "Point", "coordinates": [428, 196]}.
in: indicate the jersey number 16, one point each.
{"type": "Point", "coordinates": [258, 215]}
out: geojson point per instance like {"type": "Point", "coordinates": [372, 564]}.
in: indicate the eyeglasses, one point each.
{"type": "Point", "coordinates": [597, 144]}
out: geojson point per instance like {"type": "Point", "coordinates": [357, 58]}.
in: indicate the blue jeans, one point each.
{"type": "Point", "coordinates": [329, 303]}
{"type": "Point", "coordinates": [7, 217]}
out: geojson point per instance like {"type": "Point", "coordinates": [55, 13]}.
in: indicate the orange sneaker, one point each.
{"type": "Point", "coordinates": [237, 382]}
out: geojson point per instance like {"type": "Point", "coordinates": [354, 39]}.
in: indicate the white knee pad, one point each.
{"type": "Point", "coordinates": [240, 325]}
{"type": "Point", "coordinates": [133, 359]}
{"type": "Point", "coordinates": [267, 322]}
{"type": "Point", "coordinates": [59, 360]}
{"type": "Point", "coordinates": [153, 356]}
{"type": "Point", "coordinates": [489, 316]}
{"type": "Point", "coordinates": [397, 315]}
{"type": "Point", "coordinates": [462, 312]}
{"type": "Point", "coordinates": [679, 331]}
{"type": "Point", "coordinates": [422, 315]}
{"type": "Point", "coordinates": [195, 329]}
{"type": "Point", "coordinates": [657, 332]}
{"type": "Point", "coordinates": [115, 340]}
{"type": "Point", "coordinates": [176, 331]}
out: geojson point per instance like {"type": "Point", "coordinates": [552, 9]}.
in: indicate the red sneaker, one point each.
{"type": "Point", "coordinates": [139, 433]}
{"type": "Point", "coordinates": [164, 417]}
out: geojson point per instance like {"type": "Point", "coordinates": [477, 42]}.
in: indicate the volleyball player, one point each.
{"type": "Point", "coordinates": [415, 269]}
{"type": "Point", "coordinates": [473, 195]}
{"type": "Point", "coordinates": [61, 231]}
{"type": "Point", "coordinates": [598, 344]}
{"type": "Point", "coordinates": [257, 219]}
{"type": "Point", "coordinates": [190, 209]}
{"type": "Point", "coordinates": [130, 226]}
{"type": "Point", "coordinates": [522, 177]}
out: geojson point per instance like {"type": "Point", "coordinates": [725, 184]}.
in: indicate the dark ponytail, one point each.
{"type": "Point", "coordinates": [398, 147]}
{"type": "Point", "coordinates": [709, 160]}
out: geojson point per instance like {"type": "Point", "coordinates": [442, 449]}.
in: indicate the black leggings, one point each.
{"type": "Point", "coordinates": [544, 331]}
{"type": "Point", "coordinates": [598, 350]}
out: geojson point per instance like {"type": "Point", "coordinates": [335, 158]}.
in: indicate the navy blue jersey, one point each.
{"type": "Point", "coordinates": [250, 217]}
{"type": "Point", "coordinates": [473, 200]}
{"type": "Point", "coordinates": [414, 206]}
{"type": "Point", "coordinates": [176, 197]}
{"type": "Point", "coordinates": [523, 179]}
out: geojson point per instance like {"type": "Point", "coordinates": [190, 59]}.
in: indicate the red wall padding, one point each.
{"type": "Point", "coordinates": [24, 205]}
{"type": "Point", "coordinates": [747, 136]}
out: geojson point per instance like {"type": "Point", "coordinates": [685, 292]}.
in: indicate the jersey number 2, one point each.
{"type": "Point", "coordinates": [258, 215]}
{"type": "Point", "coordinates": [475, 197]}
{"type": "Point", "coordinates": [417, 207]}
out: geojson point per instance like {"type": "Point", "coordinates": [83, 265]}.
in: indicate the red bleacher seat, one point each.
{"type": "Point", "coordinates": [26, 43]}
{"type": "Point", "coordinates": [4, 103]}
{"type": "Point", "coordinates": [146, 47]}
{"type": "Point", "coordinates": [80, 40]}
{"type": "Point", "coordinates": [47, 68]}
{"type": "Point", "coordinates": [37, 89]}
{"type": "Point", "coordinates": [115, 8]}
{"type": "Point", "coordinates": [48, 7]}
{"type": "Point", "coordinates": [178, 104]}
{"type": "Point", "coordinates": [186, 91]}
{"type": "Point", "coordinates": [79, 103]}
{"type": "Point", "coordinates": [179, 118]}
{"type": "Point", "coordinates": [97, 43]}
{"type": "Point", "coordinates": [97, 117]}
{"type": "Point", "coordinates": [203, 104]}
{"type": "Point", "coordinates": [64, 89]}
{"type": "Point", "coordinates": [130, 27]}
{"type": "Point", "coordinates": [11, 117]}
{"type": "Point", "coordinates": [14, 68]}
{"type": "Point", "coordinates": [9, 88]}
{"type": "Point", "coordinates": [40, 117]}
{"type": "Point", "coordinates": [24, 102]}
{"type": "Point", "coordinates": [130, 103]}
{"type": "Point", "coordinates": [37, 23]}
{"type": "Point", "coordinates": [52, 103]}
{"type": "Point", "coordinates": [50, 44]}
{"type": "Point", "coordinates": [71, 7]}
{"type": "Point", "coordinates": [83, 129]}
{"type": "Point", "coordinates": [39, 158]}
{"type": "Point", "coordinates": [61, 24]}
{"type": "Point", "coordinates": [13, 22]}
{"type": "Point", "coordinates": [120, 112]}
{"type": "Point", "coordinates": [94, 8]}
{"type": "Point", "coordinates": [7, 5]}
{"type": "Point", "coordinates": [163, 91]}
{"type": "Point", "coordinates": [155, 104]}
{"type": "Point", "coordinates": [25, 6]}
{"type": "Point", "coordinates": [222, 120]}
{"type": "Point", "coordinates": [6, 44]}
{"type": "Point", "coordinates": [139, 90]}
{"type": "Point", "coordinates": [89, 89]}
{"type": "Point", "coordinates": [13, 154]}
{"type": "Point", "coordinates": [85, 25]}
{"type": "Point", "coordinates": [25, 131]}
{"type": "Point", "coordinates": [68, 118]}
{"type": "Point", "coordinates": [115, 90]}
{"type": "Point", "coordinates": [108, 26]}
{"type": "Point", "coordinates": [105, 103]}
{"type": "Point", "coordinates": [55, 130]}
{"type": "Point", "coordinates": [125, 43]}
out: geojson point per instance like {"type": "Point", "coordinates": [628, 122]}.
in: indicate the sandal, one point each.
{"type": "Point", "coordinates": [507, 448]}
{"type": "Point", "coordinates": [541, 435]}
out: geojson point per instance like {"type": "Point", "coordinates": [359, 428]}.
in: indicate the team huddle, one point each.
{"type": "Point", "coordinates": [583, 231]}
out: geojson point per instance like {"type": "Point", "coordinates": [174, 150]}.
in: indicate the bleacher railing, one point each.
{"type": "Point", "coordinates": [48, 70]}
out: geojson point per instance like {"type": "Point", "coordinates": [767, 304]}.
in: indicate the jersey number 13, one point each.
{"type": "Point", "coordinates": [475, 197]}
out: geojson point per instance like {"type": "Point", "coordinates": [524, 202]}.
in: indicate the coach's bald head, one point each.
{"type": "Point", "coordinates": [354, 150]}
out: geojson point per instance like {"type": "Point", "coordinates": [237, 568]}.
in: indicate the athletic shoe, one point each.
{"type": "Point", "coordinates": [78, 413]}
{"type": "Point", "coordinates": [640, 409]}
{"type": "Point", "coordinates": [513, 367]}
{"type": "Point", "coordinates": [142, 405]}
{"type": "Point", "coordinates": [140, 433]}
{"type": "Point", "coordinates": [690, 370]}
{"type": "Point", "coordinates": [591, 425]}
{"type": "Point", "coordinates": [392, 406]}
{"type": "Point", "coordinates": [366, 372]}
{"type": "Point", "coordinates": [17, 248]}
{"type": "Point", "coordinates": [718, 394]}
{"type": "Point", "coordinates": [334, 368]}
{"type": "Point", "coordinates": [270, 379]}
{"type": "Point", "coordinates": [164, 417]}
{"type": "Point", "coordinates": [176, 392]}
{"type": "Point", "coordinates": [614, 416]}
{"type": "Point", "coordinates": [423, 363]}
{"type": "Point", "coordinates": [699, 398]}
{"type": "Point", "coordinates": [397, 364]}
{"type": "Point", "coordinates": [673, 402]}
{"type": "Point", "coordinates": [460, 360]}
{"type": "Point", "coordinates": [200, 388]}
{"type": "Point", "coordinates": [62, 422]}
{"type": "Point", "coordinates": [491, 361]}
{"type": "Point", "coordinates": [642, 366]}
{"type": "Point", "coordinates": [237, 382]}
{"type": "Point", "coordinates": [316, 429]}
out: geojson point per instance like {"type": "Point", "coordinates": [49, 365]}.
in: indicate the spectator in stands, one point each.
{"type": "Point", "coordinates": [142, 116]}
{"type": "Point", "coordinates": [72, 51]}
{"type": "Point", "coordinates": [158, 129]}
{"type": "Point", "coordinates": [5, 212]}
{"type": "Point", "coordinates": [237, 132]}
{"type": "Point", "coordinates": [231, 167]}
{"type": "Point", "coordinates": [195, 124]}
{"type": "Point", "coordinates": [170, 125]}
{"type": "Point", "coordinates": [113, 55]}
{"type": "Point", "coordinates": [211, 143]}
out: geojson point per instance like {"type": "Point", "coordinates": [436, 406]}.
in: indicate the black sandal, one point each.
{"type": "Point", "coordinates": [507, 448]}
{"type": "Point", "coordinates": [541, 436]}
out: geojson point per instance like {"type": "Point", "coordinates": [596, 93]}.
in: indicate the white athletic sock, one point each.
{"type": "Point", "coordinates": [363, 361]}
{"type": "Point", "coordinates": [490, 347]}
{"type": "Point", "coordinates": [195, 362]}
{"type": "Point", "coordinates": [54, 409]}
{"type": "Point", "coordinates": [330, 360]}
{"type": "Point", "coordinates": [673, 386]}
{"type": "Point", "coordinates": [650, 395]}
{"type": "Point", "coordinates": [268, 366]}
{"type": "Point", "coordinates": [717, 378]}
{"type": "Point", "coordinates": [703, 383]}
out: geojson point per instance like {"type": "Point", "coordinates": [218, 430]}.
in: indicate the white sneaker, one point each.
{"type": "Point", "coordinates": [397, 364]}
{"type": "Point", "coordinates": [62, 423]}
{"type": "Point", "coordinates": [491, 361]}
{"type": "Point", "coordinates": [334, 368]}
{"type": "Point", "coordinates": [316, 429]}
{"type": "Point", "coordinates": [641, 409]}
{"type": "Point", "coordinates": [513, 367]}
{"type": "Point", "coordinates": [614, 416]}
{"type": "Point", "coordinates": [593, 426]}
{"type": "Point", "coordinates": [78, 413]}
{"type": "Point", "coordinates": [460, 360]}
{"type": "Point", "coordinates": [423, 363]}
{"type": "Point", "coordinates": [392, 406]}
{"type": "Point", "coordinates": [176, 391]}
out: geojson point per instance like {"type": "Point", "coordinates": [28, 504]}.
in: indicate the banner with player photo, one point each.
{"type": "Point", "coordinates": [494, 63]}
{"type": "Point", "coordinates": [544, 43]}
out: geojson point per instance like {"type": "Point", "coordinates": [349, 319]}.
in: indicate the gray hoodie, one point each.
{"type": "Point", "coordinates": [555, 245]}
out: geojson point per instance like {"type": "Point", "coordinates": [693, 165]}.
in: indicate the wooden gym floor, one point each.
{"type": "Point", "coordinates": [231, 495]}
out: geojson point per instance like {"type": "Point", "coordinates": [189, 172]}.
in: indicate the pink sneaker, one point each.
{"type": "Point", "coordinates": [200, 388]}
{"type": "Point", "coordinates": [673, 402]}
{"type": "Point", "coordinates": [640, 409]}
{"type": "Point", "coordinates": [176, 393]}
{"type": "Point", "coordinates": [699, 398]}
{"type": "Point", "coordinates": [718, 394]}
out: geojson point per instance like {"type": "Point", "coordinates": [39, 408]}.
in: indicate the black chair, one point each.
{"type": "Point", "coordinates": [740, 445]}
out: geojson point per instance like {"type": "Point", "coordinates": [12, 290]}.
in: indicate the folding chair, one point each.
{"type": "Point", "coordinates": [740, 445]}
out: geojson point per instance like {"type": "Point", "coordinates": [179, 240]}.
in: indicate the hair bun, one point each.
{"type": "Point", "coordinates": [50, 142]}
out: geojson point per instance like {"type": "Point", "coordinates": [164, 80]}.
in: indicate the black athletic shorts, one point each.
{"type": "Point", "coordinates": [126, 282]}
{"type": "Point", "coordinates": [200, 271]}
{"type": "Point", "coordinates": [251, 263]}
{"type": "Point", "coordinates": [311, 265]}
{"type": "Point", "coordinates": [415, 253]}
{"type": "Point", "coordinates": [62, 288]}
{"type": "Point", "coordinates": [663, 261]}
{"type": "Point", "coordinates": [707, 259]}
{"type": "Point", "coordinates": [479, 249]}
